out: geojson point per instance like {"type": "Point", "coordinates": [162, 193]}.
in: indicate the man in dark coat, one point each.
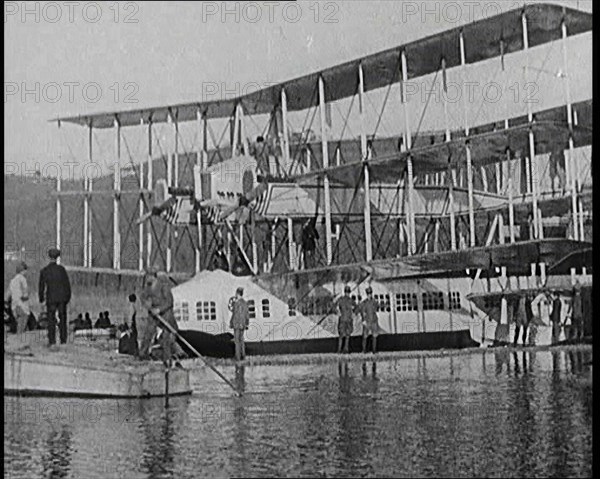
{"type": "Point", "coordinates": [346, 306]}
{"type": "Point", "coordinates": [555, 317]}
{"type": "Point", "coordinates": [310, 235]}
{"type": "Point", "coordinates": [240, 320]}
{"type": "Point", "coordinates": [55, 290]}
{"type": "Point", "coordinates": [576, 312]}
{"type": "Point", "coordinates": [368, 311]}
{"type": "Point", "coordinates": [157, 299]}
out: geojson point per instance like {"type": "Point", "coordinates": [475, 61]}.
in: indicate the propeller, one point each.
{"type": "Point", "coordinates": [162, 201]}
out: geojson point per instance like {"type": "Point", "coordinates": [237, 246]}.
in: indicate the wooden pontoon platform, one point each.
{"type": "Point", "coordinates": [83, 370]}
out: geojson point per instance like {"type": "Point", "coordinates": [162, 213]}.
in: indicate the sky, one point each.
{"type": "Point", "coordinates": [63, 60]}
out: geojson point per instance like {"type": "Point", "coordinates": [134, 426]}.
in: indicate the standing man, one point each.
{"type": "Point", "coordinates": [310, 235]}
{"type": "Point", "coordinates": [157, 299]}
{"type": "Point", "coordinates": [55, 290]}
{"type": "Point", "coordinates": [345, 306]}
{"type": "Point", "coordinates": [18, 295]}
{"type": "Point", "coordinates": [145, 325]}
{"type": "Point", "coordinates": [555, 316]}
{"type": "Point", "coordinates": [240, 320]}
{"type": "Point", "coordinates": [368, 312]}
{"type": "Point", "coordinates": [576, 311]}
{"type": "Point", "coordinates": [261, 154]}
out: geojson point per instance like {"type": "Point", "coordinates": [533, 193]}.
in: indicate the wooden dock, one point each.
{"type": "Point", "coordinates": [84, 369]}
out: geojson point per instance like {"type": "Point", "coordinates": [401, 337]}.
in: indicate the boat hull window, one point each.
{"type": "Point", "coordinates": [266, 308]}
{"type": "Point", "coordinates": [406, 302]}
{"type": "Point", "coordinates": [433, 300]}
{"type": "Point", "coordinates": [206, 311]}
{"type": "Point", "coordinates": [454, 299]}
{"type": "Point", "coordinates": [182, 311]}
{"type": "Point", "coordinates": [251, 309]}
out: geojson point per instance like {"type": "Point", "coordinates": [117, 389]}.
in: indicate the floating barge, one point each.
{"type": "Point", "coordinates": [84, 370]}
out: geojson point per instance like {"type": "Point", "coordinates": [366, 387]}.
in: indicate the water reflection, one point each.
{"type": "Point", "coordinates": [373, 370]}
{"type": "Point", "coordinates": [240, 380]}
{"type": "Point", "coordinates": [502, 357]}
{"type": "Point", "coordinates": [354, 410]}
{"type": "Point", "coordinates": [158, 431]}
{"type": "Point", "coordinates": [56, 458]}
{"type": "Point", "coordinates": [576, 361]}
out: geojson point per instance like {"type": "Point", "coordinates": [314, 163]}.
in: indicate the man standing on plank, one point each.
{"type": "Point", "coordinates": [240, 320]}
{"type": "Point", "coordinates": [55, 290]}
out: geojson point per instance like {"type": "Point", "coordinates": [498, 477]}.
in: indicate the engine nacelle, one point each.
{"type": "Point", "coordinates": [226, 181]}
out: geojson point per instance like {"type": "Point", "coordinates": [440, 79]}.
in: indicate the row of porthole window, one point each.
{"type": "Point", "coordinates": [207, 310]}
{"type": "Point", "coordinates": [432, 300]}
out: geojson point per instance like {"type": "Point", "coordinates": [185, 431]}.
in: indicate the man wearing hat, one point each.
{"type": "Point", "coordinates": [157, 299]}
{"type": "Point", "coordinates": [55, 290]}
{"type": "Point", "coordinates": [240, 320]}
{"type": "Point", "coordinates": [18, 295]}
{"type": "Point", "coordinates": [368, 312]}
{"type": "Point", "coordinates": [345, 306]}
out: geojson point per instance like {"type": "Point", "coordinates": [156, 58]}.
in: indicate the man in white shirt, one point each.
{"type": "Point", "coordinates": [18, 294]}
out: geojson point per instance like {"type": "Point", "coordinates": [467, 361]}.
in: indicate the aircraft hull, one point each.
{"type": "Point", "coordinates": [222, 346]}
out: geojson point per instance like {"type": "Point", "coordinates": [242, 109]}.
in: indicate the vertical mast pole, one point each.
{"type": "Point", "coordinates": [532, 168]}
{"type": "Point", "coordinates": [141, 213]}
{"type": "Point", "coordinates": [169, 184]}
{"type": "Point", "coordinates": [570, 158]}
{"type": "Point", "coordinates": [254, 245]}
{"type": "Point", "coordinates": [325, 154]}
{"type": "Point", "coordinates": [243, 139]}
{"type": "Point", "coordinates": [149, 183]}
{"type": "Point", "coordinates": [511, 207]}
{"type": "Point", "coordinates": [116, 201]}
{"type": "Point", "coordinates": [284, 128]}
{"type": "Point", "coordinates": [176, 154]}
{"type": "Point", "coordinates": [467, 147]}
{"type": "Point", "coordinates": [236, 131]}
{"type": "Point", "coordinates": [86, 206]}
{"type": "Point", "coordinates": [409, 165]}
{"type": "Point", "coordinates": [197, 193]}
{"type": "Point", "coordinates": [449, 176]}
{"type": "Point", "coordinates": [364, 153]}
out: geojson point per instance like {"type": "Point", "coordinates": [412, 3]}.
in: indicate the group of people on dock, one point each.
{"type": "Point", "coordinates": [54, 290]}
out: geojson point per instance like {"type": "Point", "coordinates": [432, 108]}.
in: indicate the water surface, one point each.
{"type": "Point", "coordinates": [495, 414]}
